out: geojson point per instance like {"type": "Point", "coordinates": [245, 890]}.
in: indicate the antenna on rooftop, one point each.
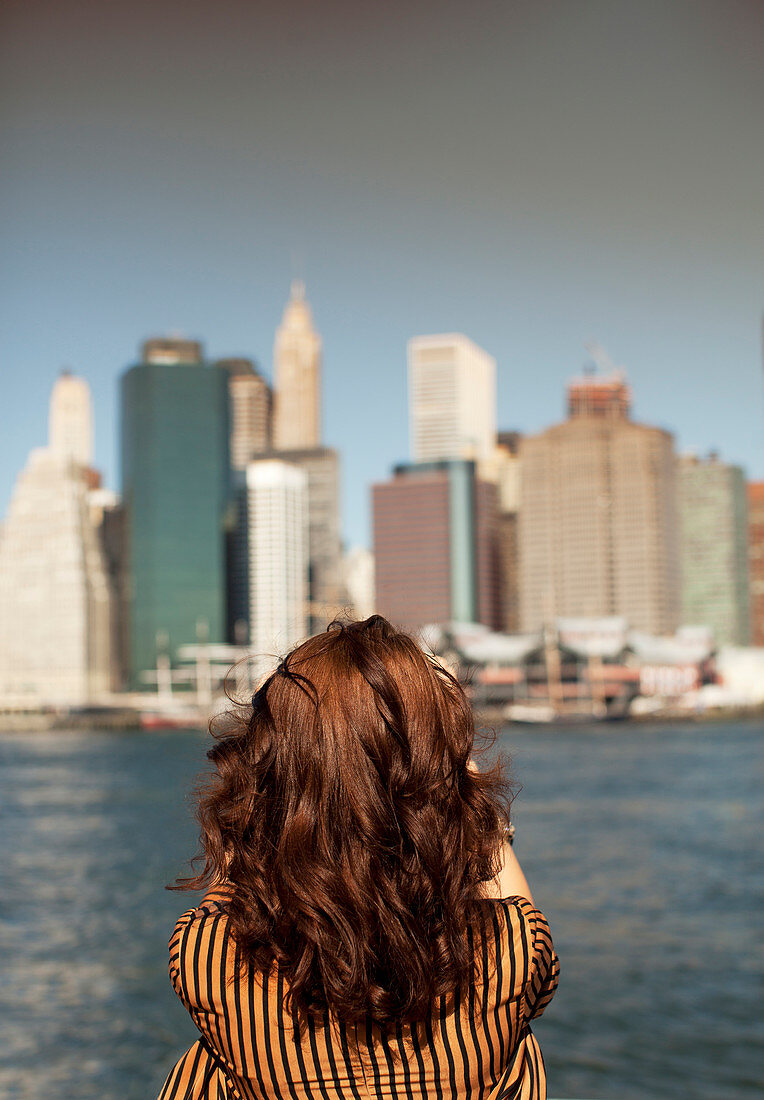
{"type": "Point", "coordinates": [601, 358]}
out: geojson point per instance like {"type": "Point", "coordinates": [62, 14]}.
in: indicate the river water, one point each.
{"type": "Point", "coordinates": [643, 844]}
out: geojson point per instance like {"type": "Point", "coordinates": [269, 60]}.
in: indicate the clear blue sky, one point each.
{"type": "Point", "coordinates": [535, 175]}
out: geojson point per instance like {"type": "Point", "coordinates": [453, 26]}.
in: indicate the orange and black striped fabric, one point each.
{"type": "Point", "coordinates": [481, 1048]}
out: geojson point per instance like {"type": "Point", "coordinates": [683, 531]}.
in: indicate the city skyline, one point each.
{"type": "Point", "coordinates": [356, 528]}
{"type": "Point", "coordinates": [535, 176]}
{"type": "Point", "coordinates": [196, 552]}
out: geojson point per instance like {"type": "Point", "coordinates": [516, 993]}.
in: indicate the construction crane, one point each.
{"type": "Point", "coordinates": [602, 360]}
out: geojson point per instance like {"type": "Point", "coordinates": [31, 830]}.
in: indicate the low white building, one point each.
{"type": "Point", "coordinates": [741, 672]}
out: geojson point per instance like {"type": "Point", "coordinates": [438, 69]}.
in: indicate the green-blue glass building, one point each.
{"type": "Point", "coordinates": [175, 486]}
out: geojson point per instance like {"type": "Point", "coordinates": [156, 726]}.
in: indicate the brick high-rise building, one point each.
{"type": "Point", "coordinates": [435, 546]}
{"type": "Point", "coordinates": [598, 527]}
{"type": "Point", "coordinates": [756, 560]}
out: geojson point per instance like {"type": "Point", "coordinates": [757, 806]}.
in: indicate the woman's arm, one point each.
{"type": "Point", "coordinates": [510, 881]}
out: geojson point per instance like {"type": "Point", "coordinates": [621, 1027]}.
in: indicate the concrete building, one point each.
{"type": "Point", "coordinates": [452, 399]}
{"type": "Point", "coordinates": [108, 518]}
{"type": "Point", "coordinates": [250, 402]}
{"type": "Point", "coordinates": [756, 560]}
{"type": "Point", "coordinates": [326, 593]}
{"type": "Point", "coordinates": [435, 545]}
{"type": "Point", "coordinates": [504, 470]}
{"type": "Point", "coordinates": [598, 524]}
{"type": "Point", "coordinates": [56, 604]}
{"type": "Point", "coordinates": [714, 547]}
{"type": "Point", "coordinates": [358, 570]}
{"type": "Point", "coordinates": [277, 558]}
{"type": "Point", "coordinates": [70, 419]}
{"type": "Point", "coordinates": [297, 377]}
{"type": "Point", "coordinates": [175, 492]}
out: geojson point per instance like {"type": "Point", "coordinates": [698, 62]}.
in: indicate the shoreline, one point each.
{"type": "Point", "coordinates": [123, 720]}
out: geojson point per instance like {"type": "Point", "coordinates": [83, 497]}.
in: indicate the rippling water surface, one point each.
{"type": "Point", "coordinates": [642, 844]}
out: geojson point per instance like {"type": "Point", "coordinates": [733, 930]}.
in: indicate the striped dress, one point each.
{"type": "Point", "coordinates": [481, 1047]}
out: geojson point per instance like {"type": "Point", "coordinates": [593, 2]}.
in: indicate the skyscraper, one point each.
{"type": "Point", "coordinates": [325, 589]}
{"type": "Point", "coordinates": [506, 474]}
{"type": "Point", "coordinates": [277, 557]}
{"type": "Point", "coordinates": [714, 547]}
{"type": "Point", "coordinates": [56, 604]}
{"type": "Point", "coordinates": [297, 440]}
{"type": "Point", "coordinates": [435, 545]}
{"type": "Point", "coordinates": [251, 404]}
{"type": "Point", "coordinates": [452, 399]}
{"type": "Point", "coordinates": [297, 377]}
{"type": "Point", "coordinates": [756, 560]}
{"type": "Point", "coordinates": [176, 490]}
{"type": "Point", "coordinates": [598, 524]}
{"type": "Point", "coordinates": [70, 419]}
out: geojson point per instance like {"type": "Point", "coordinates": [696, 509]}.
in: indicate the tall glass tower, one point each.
{"type": "Point", "coordinates": [175, 486]}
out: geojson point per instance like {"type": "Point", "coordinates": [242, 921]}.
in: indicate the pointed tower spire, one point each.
{"type": "Point", "coordinates": [297, 376]}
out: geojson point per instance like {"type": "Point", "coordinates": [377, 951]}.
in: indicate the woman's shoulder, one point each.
{"type": "Point", "coordinates": [522, 932]}
{"type": "Point", "coordinates": [514, 921]}
{"type": "Point", "coordinates": [199, 945]}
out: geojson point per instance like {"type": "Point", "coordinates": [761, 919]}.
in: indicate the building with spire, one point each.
{"type": "Point", "coordinates": [598, 530]}
{"type": "Point", "coordinates": [56, 602]}
{"type": "Point", "coordinates": [297, 376]}
{"type": "Point", "coordinates": [297, 440]}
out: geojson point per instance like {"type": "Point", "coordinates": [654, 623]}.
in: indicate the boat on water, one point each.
{"type": "Point", "coordinates": [545, 713]}
{"type": "Point", "coordinates": [180, 718]}
{"type": "Point", "coordinates": [532, 713]}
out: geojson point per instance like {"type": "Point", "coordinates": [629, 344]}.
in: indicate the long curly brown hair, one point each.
{"type": "Point", "coordinates": [352, 837]}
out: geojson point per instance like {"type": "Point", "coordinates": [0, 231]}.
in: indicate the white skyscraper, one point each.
{"type": "Point", "coordinates": [56, 602]}
{"type": "Point", "coordinates": [70, 420]}
{"type": "Point", "coordinates": [297, 377]}
{"type": "Point", "coordinates": [452, 399]}
{"type": "Point", "coordinates": [277, 557]}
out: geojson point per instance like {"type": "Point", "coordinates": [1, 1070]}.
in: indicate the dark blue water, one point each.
{"type": "Point", "coordinates": [643, 845]}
